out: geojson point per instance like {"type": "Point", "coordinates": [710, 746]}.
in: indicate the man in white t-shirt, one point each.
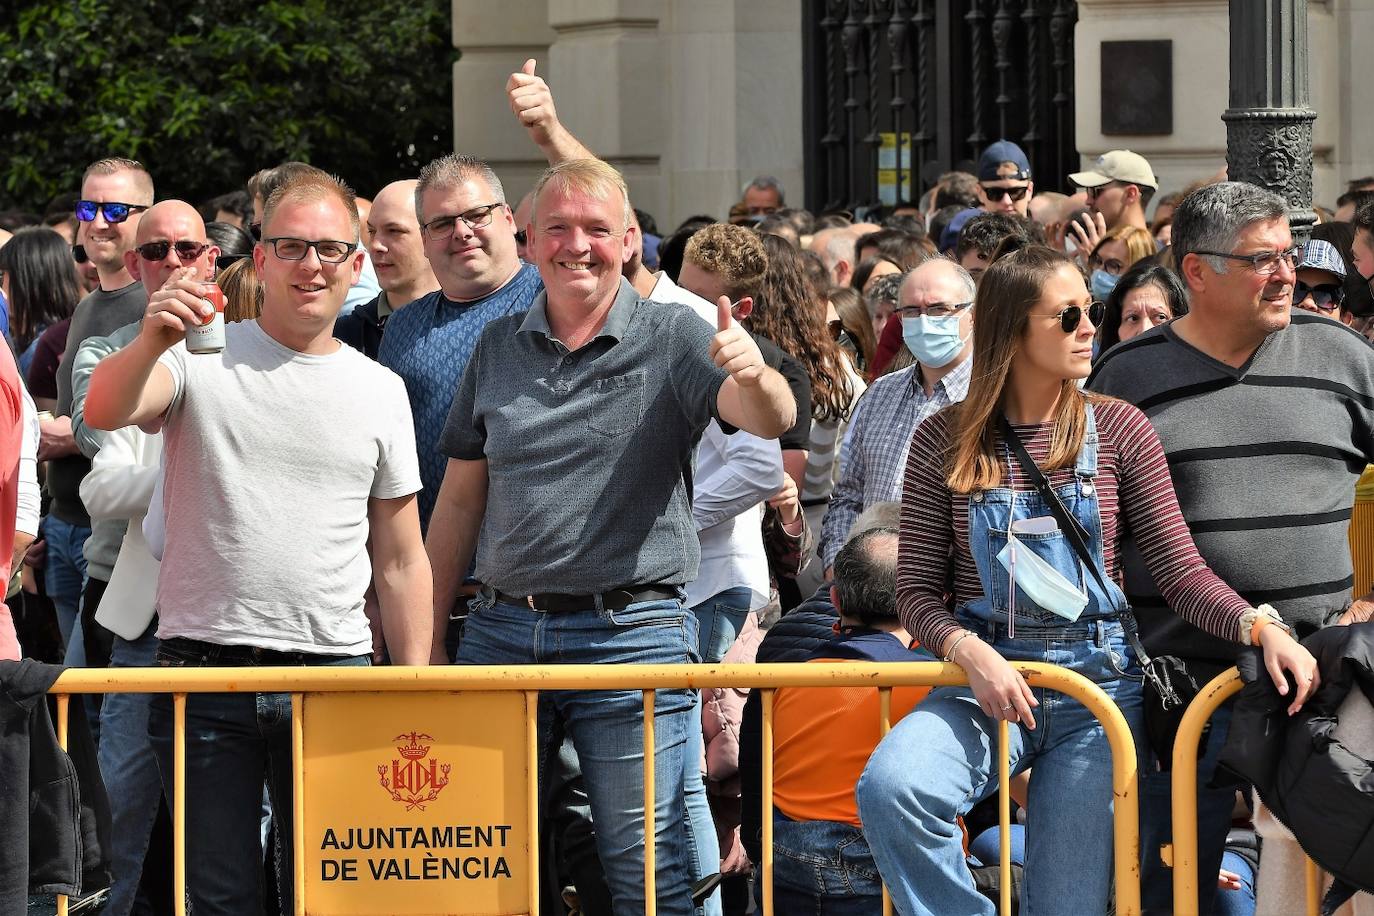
{"type": "Point", "coordinates": [284, 455]}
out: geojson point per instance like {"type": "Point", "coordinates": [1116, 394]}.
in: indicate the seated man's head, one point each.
{"type": "Point", "coordinates": [865, 586]}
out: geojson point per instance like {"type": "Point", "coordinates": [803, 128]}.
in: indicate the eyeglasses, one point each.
{"type": "Point", "coordinates": [1112, 266]}
{"type": "Point", "coordinates": [1071, 317]}
{"type": "Point", "coordinates": [186, 250]}
{"type": "Point", "coordinates": [935, 310]}
{"type": "Point", "coordinates": [112, 211]}
{"type": "Point", "coordinates": [1327, 297]}
{"type": "Point", "coordinates": [1264, 263]}
{"type": "Point", "coordinates": [329, 250]}
{"type": "Point", "coordinates": [996, 194]}
{"type": "Point", "coordinates": [441, 227]}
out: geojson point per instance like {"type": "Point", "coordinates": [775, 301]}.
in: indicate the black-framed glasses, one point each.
{"type": "Point", "coordinates": [1070, 318]}
{"type": "Point", "coordinates": [934, 310]}
{"type": "Point", "coordinates": [1264, 263]}
{"type": "Point", "coordinates": [113, 211]}
{"type": "Point", "coordinates": [330, 251]}
{"type": "Point", "coordinates": [1327, 297]}
{"type": "Point", "coordinates": [1112, 266]}
{"type": "Point", "coordinates": [996, 194]}
{"type": "Point", "coordinates": [186, 250]}
{"type": "Point", "coordinates": [441, 227]}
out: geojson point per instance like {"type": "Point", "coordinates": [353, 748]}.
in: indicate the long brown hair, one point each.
{"type": "Point", "coordinates": [1009, 290]}
{"type": "Point", "coordinates": [788, 311]}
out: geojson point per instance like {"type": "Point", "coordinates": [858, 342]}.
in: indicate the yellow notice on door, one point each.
{"type": "Point", "coordinates": [415, 803]}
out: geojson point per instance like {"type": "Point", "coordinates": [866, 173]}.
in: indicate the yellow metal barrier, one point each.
{"type": "Point", "coordinates": [529, 680]}
{"type": "Point", "coordinates": [1184, 852]}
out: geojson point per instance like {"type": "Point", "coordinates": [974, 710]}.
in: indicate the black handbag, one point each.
{"type": "Point", "coordinates": [1078, 539]}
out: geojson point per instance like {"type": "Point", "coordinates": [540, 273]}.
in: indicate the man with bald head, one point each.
{"type": "Point", "coordinates": [393, 241]}
{"type": "Point", "coordinates": [114, 195]}
{"type": "Point", "coordinates": [170, 241]}
{"type": "Point", "coordinates": [936, 308]}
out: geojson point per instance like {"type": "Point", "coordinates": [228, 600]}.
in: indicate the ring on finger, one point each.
{"type": "Point", "coordinates": [1008, 706]}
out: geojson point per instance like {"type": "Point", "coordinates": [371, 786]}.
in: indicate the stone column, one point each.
{"type": "Point", "coordinates": [1269, 121]}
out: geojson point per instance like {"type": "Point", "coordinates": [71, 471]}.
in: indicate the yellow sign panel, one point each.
{"type": "Point", "coordinates": [416, 803]}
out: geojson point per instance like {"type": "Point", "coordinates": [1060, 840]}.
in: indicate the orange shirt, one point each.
{"type": "Point", "coordinates": [823, 737]}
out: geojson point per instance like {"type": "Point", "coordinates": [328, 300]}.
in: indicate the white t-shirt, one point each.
{"type": "Point", "coordinates": [270, 458]}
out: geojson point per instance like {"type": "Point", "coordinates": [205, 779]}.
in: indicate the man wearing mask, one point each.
{"type": "Point", "coordinates": [936, 308]}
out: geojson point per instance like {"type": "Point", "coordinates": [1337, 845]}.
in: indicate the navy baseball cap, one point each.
{"type": "Point", "coordinates": [998, 153]}
{"type": "Point", "coordinates": [949, 238]}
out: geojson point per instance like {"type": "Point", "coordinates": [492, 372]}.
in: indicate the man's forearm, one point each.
{"type": "Point", "coordinates": [404, 593]}
{"type": "Point", "coordinates": [450, 547]}
{"type": "Point", "coordinates": [118, 384]}
{"type": "Point", "coordinates": [562, 146]}
{"type": "Point", "coordinates": [767, 407]}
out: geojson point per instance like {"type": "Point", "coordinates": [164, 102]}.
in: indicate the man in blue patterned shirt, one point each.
{"type": "Point", "coordinates": [469, 240]}
{"type": "Point", "coordinates": [936, 305]}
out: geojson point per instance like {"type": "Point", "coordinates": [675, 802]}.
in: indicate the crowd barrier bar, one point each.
{"type": "Point", "coordinates": [767, 678]}
{"type": "Point", "coordinates": [1183, 852]}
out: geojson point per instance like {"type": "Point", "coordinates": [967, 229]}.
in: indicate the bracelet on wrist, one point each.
{"type": "Point", "coordinates": [949, 656]}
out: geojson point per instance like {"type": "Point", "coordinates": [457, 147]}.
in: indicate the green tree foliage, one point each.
{"type": "Point", "coordinates": [206, 92]}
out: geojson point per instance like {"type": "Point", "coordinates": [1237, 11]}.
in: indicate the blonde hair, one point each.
{"type": "Point", "coordinates": [311, 186]}
{"type": "Point", "coordinates": [1140, 243]}
{"type": "Point", "coordinates": [592, 177]}
{"type": "Point", "coordinates": [733, 253]}
{"type": "Point", "coordinates": [112, 164]}
{"type": "Point", "coordinates": [243, 292]}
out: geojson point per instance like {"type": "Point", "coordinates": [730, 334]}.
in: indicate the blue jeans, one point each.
{"type": "Point", "coordinates": [942, 759]}
{"type": "Point", "coordinates": [823, 868]}
{"type": "Point", "coordinates": [1214, 807]}
{"type": "Point", "coordinates": [719, 619]}
{"type": "Point", "coordinates": [607, 726]}
{"type": "Point", "coordinates": [64, 571]}
{"type": "Point", "coordinates": [129, 768]}
{"type": "Point", "coordinates": [234, 741]}
{"type": "Point", "coordinates": [986, 847]}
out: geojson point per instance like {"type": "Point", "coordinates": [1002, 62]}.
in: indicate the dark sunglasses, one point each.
{"type": "Point", "coordinates": [186, 250]}
{"type": "Point", "coordinates": [113, 212]}
{"type": "Point", "coordinates": [1327, 297]}
{"type": "Point", "coordinates": [79, 254]}
{"type": "Point", "coordinates": [996, 194]}
{"type": "Point", "coordinates": [1071, 317]}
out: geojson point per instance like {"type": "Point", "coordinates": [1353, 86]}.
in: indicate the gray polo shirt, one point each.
{"type": "Point", "coordinates": [589, 453]}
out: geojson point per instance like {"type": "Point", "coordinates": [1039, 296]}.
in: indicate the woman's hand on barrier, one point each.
{"type": "Point", "coordinates": [1000, 689]}
{"type": "Point", "coordinates": [1284, 653]}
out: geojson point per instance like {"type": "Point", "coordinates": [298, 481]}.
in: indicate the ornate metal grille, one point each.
{"type": "Point", "coordinates": [898, 91]}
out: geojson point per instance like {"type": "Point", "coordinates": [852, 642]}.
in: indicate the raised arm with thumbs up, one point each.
{"type": "Point", "coordinates": [754, 398]}
{"type": "Point", "coordinates": [532, 103]}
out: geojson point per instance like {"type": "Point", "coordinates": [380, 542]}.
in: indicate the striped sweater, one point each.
{"type": "Point", "coordinates": [1133, 489]}
{"type": "Point", "coordinates": [1264, 459]}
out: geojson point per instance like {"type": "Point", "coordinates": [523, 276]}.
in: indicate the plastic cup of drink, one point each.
{"type": "Point", "coordinates": [208, 336]}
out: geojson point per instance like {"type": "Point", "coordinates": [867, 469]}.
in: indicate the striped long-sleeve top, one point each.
{"type": "Point", "coordinates": [1133, 490]}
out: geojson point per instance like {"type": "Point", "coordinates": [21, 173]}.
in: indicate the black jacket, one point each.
{"type": "Point", "coordinates": [54, 815]}
{"type": "Point", "coordinates": [361, 329]}
{"type": "Point", "coordinates": [1311, 773]}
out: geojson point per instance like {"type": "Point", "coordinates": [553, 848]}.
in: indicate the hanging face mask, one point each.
{"type": "Point", "coordinates": [1039, 580]}
{"type": "Point", "coordinates": [1103, 283]}
{"type": "Point", "coordinates": [935, 342]}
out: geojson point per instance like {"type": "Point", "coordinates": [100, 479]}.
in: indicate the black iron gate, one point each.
{"type": "Point", "coordinates": [899, 91]}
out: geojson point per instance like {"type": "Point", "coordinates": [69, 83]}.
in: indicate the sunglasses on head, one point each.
{"type": "Point", "coordinates": [186, 250]}
{"type": "Point", "coordinates": [112, 211]}
{"type": "Point", "coordinates": [1071, 317]}
{"type": "Point", "coordinates": [1327, 297]}
{"type": "Point", "coordinates": [996, 194]}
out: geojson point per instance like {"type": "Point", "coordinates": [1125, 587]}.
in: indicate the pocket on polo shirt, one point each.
{"type": "Point", "coordinates": [617, 404]}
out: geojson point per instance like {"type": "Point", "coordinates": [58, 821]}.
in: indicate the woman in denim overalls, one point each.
{"type": "Point", "coordinates": [964, 490]}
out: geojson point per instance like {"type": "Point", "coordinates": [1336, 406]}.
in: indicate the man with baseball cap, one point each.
{"type": "Point", "coordinates": [1004, 179]}
{"type": "Point", "coordinates": [1119, 185]}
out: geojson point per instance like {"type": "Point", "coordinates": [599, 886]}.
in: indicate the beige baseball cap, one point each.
{"type": "Point", "coordinates": [1117, 165]}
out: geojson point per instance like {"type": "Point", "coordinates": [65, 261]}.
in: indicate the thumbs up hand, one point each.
{"type": "Point", "coordinates": [532, 103]}
{"type": "Point", "coordinates": [733, 350]}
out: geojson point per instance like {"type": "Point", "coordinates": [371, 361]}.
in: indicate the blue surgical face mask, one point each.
{"type": "Point", "coordinates": [935, 342]}
{"type": "Point", "coordinates": [1103, 283]}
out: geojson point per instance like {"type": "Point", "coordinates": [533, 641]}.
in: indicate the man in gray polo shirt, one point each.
{"type": "Point", "coordinates": [570, 445]}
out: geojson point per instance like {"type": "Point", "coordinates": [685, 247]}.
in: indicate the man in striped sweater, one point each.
{"type": "Point", "coordinates": [1267, 420]}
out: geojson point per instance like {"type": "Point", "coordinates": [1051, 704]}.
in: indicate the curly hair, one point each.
{"type": "Point", "coordinates": [788, 311]}
{"type": "Point", "coordinates": [735, 254]}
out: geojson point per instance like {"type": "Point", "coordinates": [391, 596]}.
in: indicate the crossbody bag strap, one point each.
{"type": "Point", "coordinates": [1077, 536]}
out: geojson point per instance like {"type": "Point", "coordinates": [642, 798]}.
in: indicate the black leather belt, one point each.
{"type": "Point", "coordinates": [616, 599]}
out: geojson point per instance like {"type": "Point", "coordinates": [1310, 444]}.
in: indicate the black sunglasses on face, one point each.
{"type": "Point", "coordinates": [186, 250]}
{"type": "Point", "coordinates": [1071, 317]}
{"type": "Point", "coordinates": [112, 211]}
{"type": "Point", "coordinates": [79, 254]}
{"type": "Point", "coordinates": [996, 194]}
{"type": "Point", "coordinates": [1327, 297]}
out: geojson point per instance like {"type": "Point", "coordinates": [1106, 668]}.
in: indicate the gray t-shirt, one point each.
{"type": "Point", "coordinates": [271, 457]}
{"type": "Point", "coordinates": [1264, 459]}
{"type": "Point", "coordinates": [589, 453]}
